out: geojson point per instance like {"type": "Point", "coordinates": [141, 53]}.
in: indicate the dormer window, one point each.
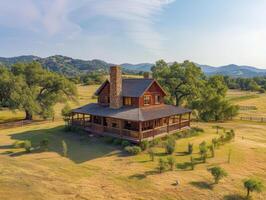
{"type": "Point", "coordinates": [157, 99]}
{"type": "Point", "coordinates": [127, 101]}
{"type": "Point", "coordinates": [147, 100]}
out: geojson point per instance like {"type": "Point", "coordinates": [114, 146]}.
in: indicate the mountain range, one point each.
{"type": "Point", "coordinates": [72, 67]}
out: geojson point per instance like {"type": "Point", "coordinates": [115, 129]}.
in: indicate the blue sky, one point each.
{"type": "Point", "coordinates": [214, 32]}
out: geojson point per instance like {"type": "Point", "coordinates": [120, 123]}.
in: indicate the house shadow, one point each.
{"type": "Point", "coordinates": [81, 147]}
{"type": "Point", "coordinates": [234, 197]}
{"type": "Point", "coordinates": [202, 185]}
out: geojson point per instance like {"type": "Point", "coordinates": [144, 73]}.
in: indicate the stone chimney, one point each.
{"type": "Point", "coordinates": [147, 75]}
{"type": "Point", "coordinates": [115, 87]}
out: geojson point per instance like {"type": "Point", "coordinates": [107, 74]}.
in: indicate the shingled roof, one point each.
{"type": "Point", "coordinates": [132, 87]}
{"type": "Point", "coordinates": [132, 114]}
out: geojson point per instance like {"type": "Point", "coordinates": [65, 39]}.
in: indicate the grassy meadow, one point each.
{"type": "Point", "coordinates": [96, 170]}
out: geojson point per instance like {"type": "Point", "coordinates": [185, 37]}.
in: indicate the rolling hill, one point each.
{"type": "Point", "coordinates": [72, 67]}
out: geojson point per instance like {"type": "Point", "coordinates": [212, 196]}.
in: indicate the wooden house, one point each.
{"type": "Point", "coordinates": [132, 109]}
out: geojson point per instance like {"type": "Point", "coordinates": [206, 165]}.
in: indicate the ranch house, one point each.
{"type": "Point", "coordinates": [131, 109]}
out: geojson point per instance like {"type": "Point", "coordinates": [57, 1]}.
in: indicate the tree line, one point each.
{"type": "Point", "coordinates": [187, 85]}
{"type": "Point", "coordinates": [249, 84]}
{"type": "Point", "coordinates": [33, 89]}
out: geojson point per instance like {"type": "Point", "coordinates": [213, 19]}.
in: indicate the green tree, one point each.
{"type": "Point", "coordinates": [161, 165]}
{"type": "Point", "coordinates": [66, 113]}
{"type": "Point", "coordinates": [170, 145]}
{"type": "Point", "coordinates": [37, 90]}
{"type": "Point", "coordinates": [151, 154]}
{"type": "Point", "coordinates": [180, 80]}
{"type": "Point", "coordinates": [203, 150]}
{"type": "Point", "coordinates": [252, 185]}
{"type": "Point", "coordinates": [171, 162]}
{"type": "Point", "coordinates": [218, 173]}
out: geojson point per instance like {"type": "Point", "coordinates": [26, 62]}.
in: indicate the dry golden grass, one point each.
{"type": "Point", "coordinates": [95, 170]}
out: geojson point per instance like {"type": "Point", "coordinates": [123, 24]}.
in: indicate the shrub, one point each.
{"type": "Point", "coordinates": [108, 140]}
{"type": "Point", "coordinates": [134, 150]}
{"type": "Point", "coordinates": [19, 144]}
{"type": "Point", "coordinates": [211, 148]}
{"type": "Point", "coordinates": [215, 142]}
{"type": "Point", "coordinates": [27, 146]}
{"type": "Point", "coordinates": [170, 145]}
{"type": "Point", "coordinates": [65, 149]}
{"type": "Point", "coordinates": [44, 144]}
{"type": "Point", "coordinates": [151, 154]}
{"type": "Point", "coordinates": [125, 143]}
{"type": "Point", "coordinates": [117, 141]}
{"type": "Point", "coordinates": [252, 185]}
{"type": "Point", "coordinates": [171, 162]}
{"type": "Point", "coordinates": [155, 142]}
{"type": "Point", "coordinates": [203, 151]}
{"type": "Point", "coordinates": [162, 165]}
{"type": "Point", "coordinates": [218, 173]}
{"type": "Point", "coordinates": [144, 145]}
{"type": "Point", "coordinates": [190, 148]}
{"type": "Point", "coordinates": [198, 129]}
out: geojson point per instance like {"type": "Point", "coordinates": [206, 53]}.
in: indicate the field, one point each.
{"type": "Point", "coordinates": [96, 170]}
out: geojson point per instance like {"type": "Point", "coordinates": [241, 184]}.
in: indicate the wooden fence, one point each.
{"type": "Point", "coordinates": [256, 119]}
{"type": "Point", "coordinates": [247, 108]}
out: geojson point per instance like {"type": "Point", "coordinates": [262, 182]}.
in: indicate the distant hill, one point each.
{"type": "Point", "coordinates": [233, 70]}
{"type": "Point", "coordinates": [71, 67]}
{"type": "Point", "coordinates": [146, 67]}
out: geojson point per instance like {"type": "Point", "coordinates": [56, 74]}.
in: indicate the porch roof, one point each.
{"type": "Point", "coordinates": [132, 114]}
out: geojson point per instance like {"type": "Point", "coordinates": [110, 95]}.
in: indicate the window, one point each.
{"type": "Point", "coordinates": [147, 100]}
{"type": "Point", "coordinates": [157, 99]}
{"type": "Point", "coordinates": [127, 101]}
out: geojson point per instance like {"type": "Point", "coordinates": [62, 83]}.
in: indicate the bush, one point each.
{"type": "Point", "coordinates": [211, 148]}
{"type": "Point", "coordinates": [144, 145]}
{"type": "Point", "coordinates": [218, 173]}
{"type": "Point", "coordinates": [151, 154]}
{"type": "Point", "coordinates": [171, 162]}
{"type": "Point", "coordinates": [134, 150]}
{"type": "Point", "coordinates": [162, 165]}
{"type": "Point", "coordinates": [155, 142]}
{"type": "Point", "coordinates": [44, 144]}
{"type": "Point", "coordinates": [117, 141]}
{"type": "Point", "coordinates": [170, 145]}
{"type": "Point", "coordinates": [252, 185]}
{"type": "Point", "coordinates": [203, 151]}
{"type": "Point", "coordinates": [19, 144]}
{"type": "Point", "coordinates": [197, 129]}
{"type": "Point", "coordinates": [190, 148]}
{"type": "Point", "coordinates": [108, 140]}
{"type": "Point", "coordinates": [215, 142]}
{"type": "Point", "coordinates": [125, 143]}
{"type": "Point", "coordinates": [27, 146]}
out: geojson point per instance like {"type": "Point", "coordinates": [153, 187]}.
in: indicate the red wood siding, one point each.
{"type": "Point", "coordinates": [152, 92]}
{"type": "Point", "coordinates": [104, 94]}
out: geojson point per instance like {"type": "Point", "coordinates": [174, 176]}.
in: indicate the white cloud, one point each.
{"type": "Point", "coordinates": [52, 17]}
{"type": "Point", "coordinates": [137, 17]}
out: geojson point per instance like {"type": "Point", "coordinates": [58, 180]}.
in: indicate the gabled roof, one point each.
{"type": "Point", "coordinates": [133, 87]}
{"type": "Point", "coordinates": [132, 114]}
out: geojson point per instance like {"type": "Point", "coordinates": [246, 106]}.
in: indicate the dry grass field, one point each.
{"type": "Point", "coordinates": [96, 170]}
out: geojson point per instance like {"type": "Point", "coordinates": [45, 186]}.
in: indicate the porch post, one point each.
{"type": "Point", "coordinates": [140, 131]}
{"type": "Point", "coordinates": [72, 118]}
{"type": "Point", "coordinates": [120, 128]}
{"type": "Point", "coordinates": [83, 120]}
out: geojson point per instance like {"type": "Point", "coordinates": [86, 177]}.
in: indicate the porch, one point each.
{"type": "Point", "coordinates": [134, 131]}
